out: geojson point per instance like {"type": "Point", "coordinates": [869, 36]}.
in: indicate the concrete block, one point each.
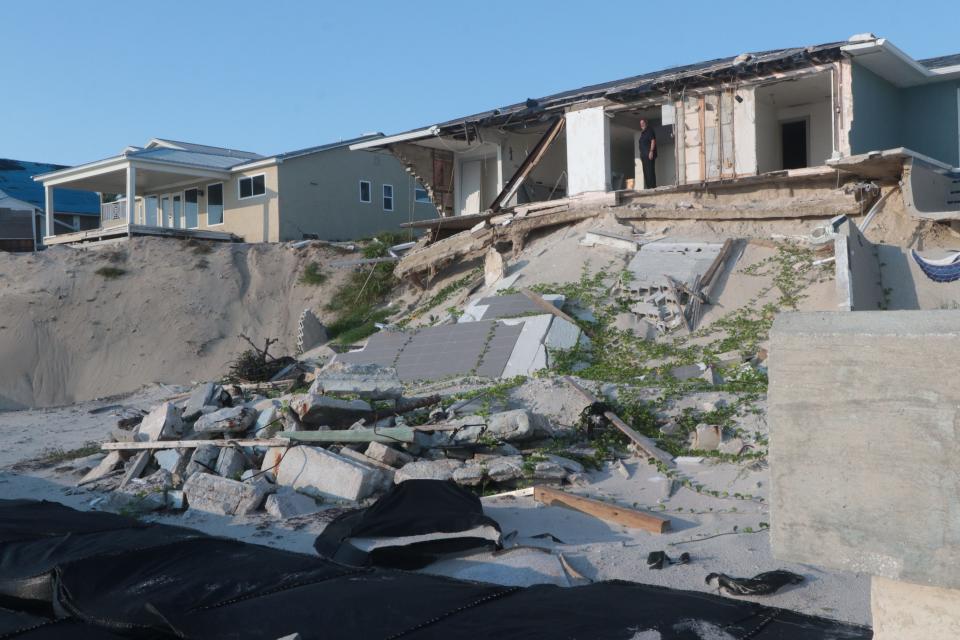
{"type": "Point", "coordinates": [494, 267]}
{"type": "Point", "coordinates": [173, 460]}
{"type": "Point", "coordinates": [202, 396]}
{"type": "Point", "coordinates": [549, 471]}
{"type": "Point", "coordinates": [230, 463]}
{"type": "Point", "coordinates": [505, 469]}
{"type": "Point", "coordinates": [323, 474]}
{"type": "Point", "coordinates": [231, 420]}
{"type": "Point", "coordinates": [857, 271]}
{"type": "Point", "coordinates": [214, 494]}
{"type": "Point", "coordinates": [388, 455]}
{"type": "Point", "coordinates": [163, 423]}
{"type": "Point", "coordinates": [370, 381]}
{"type": "Point", "coordinates": [313, 408]}
{"type": "Point", "coordinates": [269, 421]}
{"type": "Point", "coordinates": [469, 475]}
{"type": "Point", "coordinates": [904, 611]}
{"type": "Point", "coordinates": [203, 460]}
{"type": "Point", "coordinates": [387, 473]}
{"type": "Point", "coordinates": [570, 466]}
{"type": "Point", "coordinates": [428, 470]}
{"type": "Point", "coordinates": [287, 503]}
{"type": "Point", "coordinates": [864, 414]}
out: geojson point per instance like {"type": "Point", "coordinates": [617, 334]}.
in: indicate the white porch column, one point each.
{"type": "Point", "coordinates": [48, 209]}
{"type": "Point", "coordinates": [588, 151]}
{"type": "Point", "coordinates": [131, 193]}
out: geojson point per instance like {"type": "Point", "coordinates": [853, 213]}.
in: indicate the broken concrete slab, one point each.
{"type": "Point", "coordinates": [470, 474]}
{"type": "Point", "coordinates": [230, 463]}
{"type": "Point", "coordinates": [313, 408]}
{"type": "Point", "coordinates": [173, 460]}
{"type": "Point", "coordinates": [287, 503]}
{"type": "Point", "coordinates": [214, 494]}
{"type": "Point", "coordinates": [110, 462]}
{"type": "Point", "coordinates": [549, 471]}
{"type": "Point", "coordinates": [428, 470]}
{"type": "Point", "coordinates": [206, 394]}
{"type": "Point", "coordinates": [505, 469]}
{"type": "Point", "coordinates": [163, 423]}
{"type": "Point", "coordinates": [639, 327]}
{"type": "Point", "coordinates": [494, 267]}
{"type": "Point", "coordinates": [310, 332]}
{"type": "Point", "coordinates": [570, 466]}
{"type": "Point", "coordinates": [510, 426]}
{"type": "Point", "coordinates": [388, 455]}
{"type": "Point", "coordinates": [614, 241]}
{"type": "Point", "coordinates": [203, 460]}
{"type": "Point", "coordinates": [562, 334]}
{"type": "Point", "coordinates": [528, 353]}
{"type": "Point", "coordinates": [324, 474]}
{"type": "Point", "coordinates": [387, 473]}
{"type": "Point", "coordinates": [707, 437]}
{"type": "Point", "coordinates": [371, 381]}
{"type": "Point", "coordinates": [228, 420]}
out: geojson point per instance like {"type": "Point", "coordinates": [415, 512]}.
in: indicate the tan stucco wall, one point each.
{"type": "Point", "coordinates": [254, 219]}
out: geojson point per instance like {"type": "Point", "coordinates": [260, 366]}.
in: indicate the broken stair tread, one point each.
{"type": "Point", "coordinates": [386, 435]}
{"type": "Point", "coordinates": [603, 510]}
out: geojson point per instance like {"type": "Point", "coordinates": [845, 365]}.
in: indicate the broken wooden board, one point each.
{"type": "Point", "coordinates": [644, 443]}
{"type": "Point", "coordinates": [538, 300]}
{"type": "Point", "coordinates": [192, 444]}
{"type": "Point", "coordinates": [602, 510]}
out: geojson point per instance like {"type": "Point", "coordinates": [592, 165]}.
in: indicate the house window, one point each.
{"type": "Point", "coordinates": [191, 208]}
{"type": "Point", "coordinates": [388, 197]}
{"type": "Point", "coordinates": [252, 186]}
{"type": "Point", "coordinates": [214, 204]}
{"type": "Point", "coordinates": [365, 191]}
{"type": "Point", "coordinates": [420, 195]}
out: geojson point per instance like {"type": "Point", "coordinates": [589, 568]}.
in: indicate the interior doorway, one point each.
{"type": "Point", "coordinates": [793, 144]}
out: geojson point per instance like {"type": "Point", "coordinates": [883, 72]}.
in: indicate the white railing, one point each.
{"type": "Point", "coordinates": [113, 213]}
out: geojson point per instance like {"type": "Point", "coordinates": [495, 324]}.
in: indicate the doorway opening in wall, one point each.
{"type": "Point", "coordinates": [794, 123]}
{"type": "Point", "coordinates": [626, 164]}
{"type": "Point", "coordinates": [479, 182]}
{"type": "Point", "coordinates": [793, 144]}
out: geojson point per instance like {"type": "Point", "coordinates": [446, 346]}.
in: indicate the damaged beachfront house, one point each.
{"type": "Point", "coordinates": [789, 110]}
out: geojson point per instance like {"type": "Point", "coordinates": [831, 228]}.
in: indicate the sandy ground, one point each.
{"type": "Point", "coordinates": [68, 334]}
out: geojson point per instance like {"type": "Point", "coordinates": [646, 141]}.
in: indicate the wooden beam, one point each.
{"type": "Point", "coordinates": [529, 164]}
{"type": "Point", "coordinates": [538, 300]}
{"type": "Point", "coordinates": [192, 444]}
{"type": "Point", "coordinates": [645, 444]}
{"type": "Point", "coordinates": [602, 510]}
{"type": "Point", "coordinates": [387, 435]}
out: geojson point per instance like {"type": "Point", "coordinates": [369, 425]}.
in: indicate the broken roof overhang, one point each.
{"type": "Point", "coordinates": [634, 89]}
{"type": "Point", "coordinates": [887, 61]}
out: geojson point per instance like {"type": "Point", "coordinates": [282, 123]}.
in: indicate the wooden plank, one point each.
{"type": "Point", "coordinates": [192, 444]}
{"type": "Point", "coordinates": [386, 435]}
{"type": "Point", "coordinates": [602, 510]}
{"type": "Point", "coordinates": [529, 164]}
{"type": "Point", "coordinates": [135, 467]}
{"type": "Point", "coordinates": [645, 444]}
{"type": "Point", "coordinates": [538, 300]}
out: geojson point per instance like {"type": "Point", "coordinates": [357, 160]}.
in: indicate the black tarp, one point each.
{"type": "Point", "coordinates": [24, 626]}
{"type": "Point", "coordinates": [36, 537]}
{"type": "Point", "coordinates": [411, 508]}
{"type": "Point", "coordinates": [213, 589]}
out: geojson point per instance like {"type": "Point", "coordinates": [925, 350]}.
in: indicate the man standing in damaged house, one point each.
{"type": "Point", "coordinates": [648, 154]}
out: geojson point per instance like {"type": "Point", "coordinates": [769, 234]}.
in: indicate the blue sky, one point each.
{"type": "Point", "coordinates": [81, 80]}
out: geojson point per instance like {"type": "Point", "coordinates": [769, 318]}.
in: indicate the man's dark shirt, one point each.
{"type": "Point", "coordinates": [646, 138]}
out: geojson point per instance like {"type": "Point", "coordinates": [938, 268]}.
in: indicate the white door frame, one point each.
{"type": "Point", "coordinates": [483, 151]}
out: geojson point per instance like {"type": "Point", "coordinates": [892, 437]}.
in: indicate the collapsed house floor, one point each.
{"type": "Point", "coordinates": [601, 387]}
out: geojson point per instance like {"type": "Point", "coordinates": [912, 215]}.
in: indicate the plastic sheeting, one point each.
{"type": "Point", "coordinates": [216, 589]}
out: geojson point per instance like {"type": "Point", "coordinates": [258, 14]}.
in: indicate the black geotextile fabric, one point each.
{"type": "Point", "coordinates": [24, 626]}
{"type": "Point", "coordinates": [211, 589]}
{"type": "Point", "coordinates": [38, 536]}
{"type": "Point", "coordinates": [411, 508]}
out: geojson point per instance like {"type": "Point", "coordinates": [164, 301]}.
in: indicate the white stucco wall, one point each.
{"type": "Point", "coordinates": [588, 150]}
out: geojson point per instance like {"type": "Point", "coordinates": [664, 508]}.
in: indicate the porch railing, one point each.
{"type": "Point", "coordinates": [113, 213]}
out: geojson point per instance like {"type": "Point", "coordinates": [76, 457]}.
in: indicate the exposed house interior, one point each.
{"type": "Point", "coordinates": [794, 123]}
{"type": "Point", "coordinates": [625, 167]}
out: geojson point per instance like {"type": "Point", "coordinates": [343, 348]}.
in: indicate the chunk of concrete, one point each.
{"type": "Point", "coordinates": [494, 267]}
{"type": "Point", "coordinates": [323, 474]}
{"type": "Point", "coordinates": [313, 408]}
{"type": "Point", "coordinates": [206, 394]}
{"type": "Point", "coordinates": [214, 494]}
{"type": "Point", "coordinates": [428, 470]}
{"type": "Point", "coordinates": [387, 472]}
{"type": "Point", "coordinates": [310, 332]}
{"type": "Point", "coordinates": [388, 455]}
{"type": "Point", "coordinates": [370, 381]}
{"type": "Point", "coordinates": [510, 426]}
{"type": "Point", "coordinates": [470, 475]}
{"type": "Point", "coordinates": [229, 420]}
{"type": "Point", "coordinates": [570, 466]}
{"type": "Point", "coordinates": [203, 460]}
{"type": "Point", "coordinates": [163, 423]}
{"type": "Point", "coordinates": [549, 471]}
{"type": "Point", "coordinates": [230, 463]}
{"type": "Point", "coordinates": [505, 469]}
{"type": "Point", "coordinates": [287, 503]}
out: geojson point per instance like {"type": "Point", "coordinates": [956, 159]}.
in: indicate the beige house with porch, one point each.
{"type": "Point", "coordinates": [183, 189]}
